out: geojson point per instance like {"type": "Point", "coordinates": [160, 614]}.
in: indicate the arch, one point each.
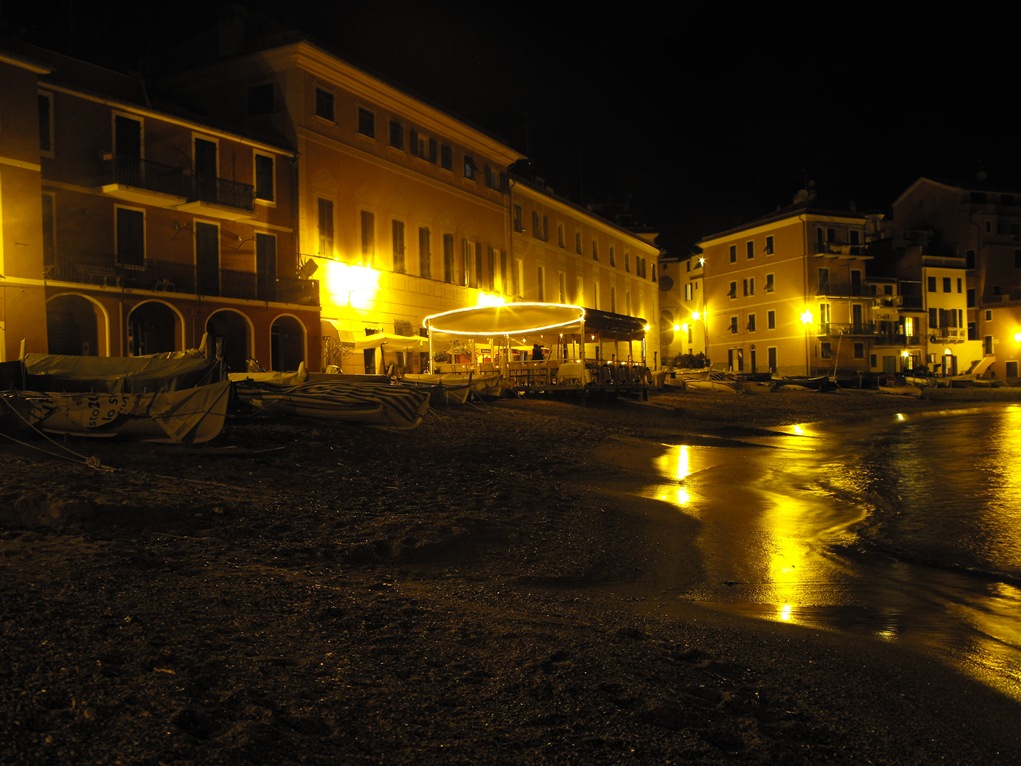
{"type": "Point", "coordinates": [76, 325]}
{"type": "Point", "coordinates": [153, 327]}
{"type": "Point", "coordinates": [287, 343]}
{"type": "Point", "coordinates": [230, 333]}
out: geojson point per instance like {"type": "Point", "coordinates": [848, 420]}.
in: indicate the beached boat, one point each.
{"type": "Point", "coordinates": [711, 381]}
{"type": "Point", "coordinates": [443, 388]}
{"type": "Point", "coordinates": [188, 416]}
{"type": "Point", "coordinates": [897, 385]}
{"type": "Point", "coordinates": [379, 405]}
{"type": "Point", "coordinates": [168, 371]}
{"type": "Point", "coordinates": [804, 383]}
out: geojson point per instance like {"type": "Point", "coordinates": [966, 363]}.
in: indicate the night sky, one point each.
{"type": "Point", "coordinates": [706, 115]}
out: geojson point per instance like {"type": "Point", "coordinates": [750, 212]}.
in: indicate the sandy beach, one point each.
{"type": "Point", "coordinates": [472, 591]}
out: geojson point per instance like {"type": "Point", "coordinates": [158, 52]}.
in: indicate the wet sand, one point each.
{"type": "Point", "coordinates": [474, 591]}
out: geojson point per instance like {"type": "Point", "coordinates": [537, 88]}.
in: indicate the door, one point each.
{"type": "Point", "coordinates": [265, 267]}
{"type": "Point", "coordinates": [205, 170]}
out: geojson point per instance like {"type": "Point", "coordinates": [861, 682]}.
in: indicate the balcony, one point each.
{"type": "Point", "coordinates": [861, 329]}
{"type": "Point", "coordinates": [153, 183]}
{"type": "Point", "coordinates": [183, 279]}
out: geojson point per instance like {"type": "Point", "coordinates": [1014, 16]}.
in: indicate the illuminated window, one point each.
{"type": "Point", "coordinates": [366, 122]}
{"type": "Point", "coordinates": [448, 258]}
{"type": "Point", "coordinates": [469, 167]}
{"type": "Point", "coordinates": [325, 224]}
{"type": "Point", "coordinates": [424, 253]}
{"type": "Point", "coordinates": [324, 104]}
{"type": "Point", "coordinates": [397, 236]}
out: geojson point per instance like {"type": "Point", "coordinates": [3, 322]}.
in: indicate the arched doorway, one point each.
{"type": "Point", "coordinates": [152, 329]}
{"type": "Point", "coordinates": [72, 326]}
{"type": "Point", "coordinates": [230, 337]}
{"type": "Point", "coordinates": [288, 343]}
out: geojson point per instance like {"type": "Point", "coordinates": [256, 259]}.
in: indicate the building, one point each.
{"type": "Point", "coordinates": [406, 211]}
{"type": "Point", "coordinates": [787, 293]}
{"type": "Point", "coordinates": [132, 226]}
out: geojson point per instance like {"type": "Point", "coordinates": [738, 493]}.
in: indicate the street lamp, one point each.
{"type": "Point", "coordinates": [806, 319]}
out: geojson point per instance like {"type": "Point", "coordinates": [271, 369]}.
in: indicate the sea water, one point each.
{"type": "Point", "coordinates": [904, 529]}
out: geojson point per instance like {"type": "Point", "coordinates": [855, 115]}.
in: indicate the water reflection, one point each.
{"type": "Point", "coordinates": [908, 532]}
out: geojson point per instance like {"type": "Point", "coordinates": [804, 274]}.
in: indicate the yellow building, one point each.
{"type": "Point", "coordinates": [787, 294]}
{"type": "Point", "coordinates": [406, 211]}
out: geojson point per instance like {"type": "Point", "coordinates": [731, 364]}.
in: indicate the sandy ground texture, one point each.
{"type": "Point", "coordinates": [315, 593]}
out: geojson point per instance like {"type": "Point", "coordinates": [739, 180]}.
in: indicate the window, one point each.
{"type": "Point", "coordinates": [930, 284]}
{"type": "Point", "coordinates": [536, 228]}
{"type": "Point", "coordinates": [732, 292]}
{"type": "Point", "coordinates": [49, 229]}
{"type": "Point", "coordinates": [613, 256]}
{"type": "Point", "coordinates": [517, 276]}
{"type": "Point", "coordinates": [396, 135]}
{"type": "Point", "coordinates": [46, 124]}
{"type": "Point", "coordinates": [324, 104]}
{"type": "Point", "coordinates": [824, 281]}
{"type": "Point", "coordinates": [771, 319]}
{"type": "Point", "coordinates": [770, 286]}
{"type": "Point", "coordinates": [466, 276]}
{"type": "Point", "coordinates": [325, 223]}
{"type": "Point", "coordinates": [130, 245]}
{"type": "Point", "coordinates": [748, 285]}
{"type": "Point", "coordinates": [265, 266]}
{"type": "Point", "coordinates": [960, 285]}
{"type": "Point", "coordinates": [477, 273]}
{"type": "Point", "coordinates": [733, 324]}
{"type": "Point", "coordinates": [260, 100]}
{"type": "Point", "coordinates": [560, 235]}
{"type": "Point", "coordinates": [733, 253]}
{"type": "Point", "coordinates": [595, 251]}
{"type": "Point", "coordinates": [424, 253]}
{"type": "Point", "coordinates": [769, 245]}
{"type": "Point", "coordinates": [264, 178]}
{"type": "Point", "coordinates": [826, 350]}
{"type": "Point", "coordinates": [368, 221]}
{"type": "Point", "coordinates": [397, 237]}
{"type": "Point", "coordinates": [469, 167]}
{"type": "Point", "coordinates": [540, 276]}
{"type": "Point", "coordinates": [947, 288]}
{"type": "Point", "coordinates": [859, 350]}
{"type": "Point", "coordinates": [689, 292]}
{"type": "Point", "coordinates": [446, 157]}
{"type": "Point", "coordinates": [448, 258]}
{"type": "Point", "coordinates": [627, 263]}
{"type": "Point", "coordinates": [750, 249]}
{"type": "Point", "coordinates": [519, 225]}
{"type": "Point", "coordinates": [577, 242]}
{"type": "Point", "coordinates": [751, 323]}
{"type": "Point", "coordinates": [561, 287]}
{"type": "Point", "coordinates": [366, 122]}
{"type": "Point", "coordinates": [491, 268]}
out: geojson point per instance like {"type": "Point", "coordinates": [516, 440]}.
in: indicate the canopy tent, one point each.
{"type": "Point", "coordinates": [393, 342]}
{"type": "Point", "coordinates": [519, 319]}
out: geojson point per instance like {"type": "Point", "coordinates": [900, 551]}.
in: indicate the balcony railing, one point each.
{"type": "Point", "coordinates": [179, 182]}
{"type": "Point", "coordinates": [183, 278]}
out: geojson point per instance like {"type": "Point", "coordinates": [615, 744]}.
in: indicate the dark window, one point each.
{"type": "Point", "coordinates": [396, 135]}
{"type": "Point", "coordinates": [469, 167]}
{"type": "Point", "coordinates": [446, 157]}
{"type": "Point", "coordinates": [325, 227]}
{"type": "Point", "coordinates": [45, 126]}
{"type": "Point", "coordinates": [366, 123]}
{"type": "Point", "coordinates": [398, 246]}
{"type": "Point", "coordinates": [264, 178]}
{"type": "Point", "coordinates": [260, 99]}
{"type": "Point", "coordinates": [424, 253]}
{"type": "Point", "coordinates": [324, 104]}
{"type": "Point", "coordinates": [130, 237]}
{"type": "Point", "coordinates": [448, 258]}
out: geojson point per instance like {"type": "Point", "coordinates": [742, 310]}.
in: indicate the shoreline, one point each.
{"type": "Point", "coordinates": [460, 593]}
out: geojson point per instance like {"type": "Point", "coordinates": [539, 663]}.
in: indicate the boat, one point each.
{"type": "Point", "coordinates": [442, 387]}
{"type": "Point", "coordinates": [167, 371]}
{"type": "Point", "coordinates": [804, 383]}
{"type": "Point", "coordinates": [676, 377]}
{"type": "Point", "coordinates": [187, 416]}
{"type": "Point", "coordinates": [283, 378]}
{"type": "Point", "coordinates": [897, 385]}
{"type": "Point", "coordinates": [378, 405]}
{"type": "Point", "coordinates": [711, 381]}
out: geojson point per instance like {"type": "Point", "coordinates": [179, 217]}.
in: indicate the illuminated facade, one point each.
{"type": "Point", "coordinates": [973, 233]}
{"type": "Point", "coordinates": [787, 294]}
{"type": "Point", "coordinates": [403, 209]}
{"type": "Point", "coordinates": [131, 227]}
{"type": "Point", "coordinates": [683, 334]}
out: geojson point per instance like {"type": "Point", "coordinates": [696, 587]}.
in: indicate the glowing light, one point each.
{"type": "Point", "coordinates": [350, 285]}
{"type": "Point", "coordinates": [806, 316]}
{"type": "Point", "coordinates": [489, 299]}
{"type": "Point", "coordinates": [1017, 337]}
{"type": "Point", "coordinates": [784, 612]}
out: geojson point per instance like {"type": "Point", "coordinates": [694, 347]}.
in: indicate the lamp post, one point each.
{"type": "Point", "coordinates": [806, 319]}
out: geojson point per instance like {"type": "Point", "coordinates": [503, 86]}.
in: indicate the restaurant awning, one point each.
{"type": "Point", "coordinates": [525, 318]}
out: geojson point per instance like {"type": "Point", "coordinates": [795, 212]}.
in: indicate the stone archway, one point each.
{"type": "Point", "coordinates": [288, 343]}
{"type": "Point", "coordinates": [152, 329]}
{"type": "Point", "coordinates": [72, 326]}
{"type": "Point", "coordinates": [230, 336]}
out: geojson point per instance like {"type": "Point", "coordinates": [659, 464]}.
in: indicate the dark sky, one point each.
{"type": "Point", "coordinates": [707, 115]}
